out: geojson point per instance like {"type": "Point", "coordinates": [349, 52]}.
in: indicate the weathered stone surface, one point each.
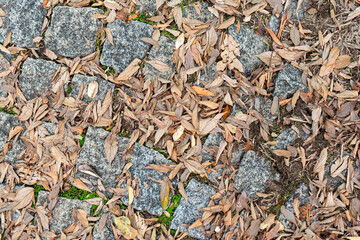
{"type": "Point", "coordinates": [62, 213]}
{"type": "Point", "coordinates": [35, 77]}
{"type": "Point", "coordinates": [253, 174]}
{"type": "Point", "coordinates": [8, 121]}
{"type": "Point", "coordinates": [23, 19]}
{"type": "Point", "coordinates": [191, 13]}
{"type": "Point", "coordinates": [103, 87]}
{"type": "Point", "coordinates": [251, 44]}
{"type": "Point", "coordinates": [302, 193]}
{"type": "Point", "coordinates": [209, 75]}
{"type": "Point", "coordinates": [288, 81]}
{"type": "Point", "coordinates": [147, 6]}
{"type": "Point", "coordinates": [265, 109]}
{"type": "Point", "coordinates": [285, 138]}
{"type": "Point", "coordinates": [294, 15]}
{"type": "Point", "coordinates": [93, 155]}
{"type": "Point", "coordinates": [149, 194]}
{"type": "Point", "coordinates": [186, 213]}
{"type": "Point", "coordinates": [72, 31]}
{"type": "Point", "coordinates": [106, 233]}
{"type": "Point", "coordinates": [164, 54]}
{"type": "Point", "coordinates": [4, 66]}
{"type": "Point", "coordinates": [274, 24]}
{"type": "Point", "coordinates": [127, 44]}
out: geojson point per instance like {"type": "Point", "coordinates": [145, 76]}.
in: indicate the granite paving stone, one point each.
{"type": "Point", "coordinates": [4, 66]}
{"type": "Point", "coordinates": [106, 232]}
{"type": "Point", "coordinates": [164, 54]}
{"type": "Point", "coordinates": [36, 76]}
{"type": "Point", "coordinates": [265, 109]}
{"type": "Point", "coordinates": [127, 44]}
{"type": "Point", "coordinates": [302, 193]}
{"type": "Point", "coordinates": [147, 6]}
{"type": "Point", "coordinates": [251, 44]}
{"type": "Point", "coordinates": [149, 194]}
{"type": "Point", "coordinates": [7, 122]}
{"type": "Point", "coordinates": [24, 19]}
{"type": "Point", "coordinates": [186, 213]}
{"type": "Point", "coordinates": [103, 87]}
{"type": "Point", "coordinates": [254, 174]}
{"type": "Point", "coordinates": [72, 31]}
{"type": "Point", "coordinates": [285, 138]}
{"type": "Point", "coordinates": [191, 13]}
{"type": "Point", "coordinates": [288, 81]}
{"type": "Point", "coordinates": [62, 212]}
{"type": "Point", "coordinates": [93, 155]}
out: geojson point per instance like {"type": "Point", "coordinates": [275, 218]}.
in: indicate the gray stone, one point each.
{"type": "Point", "coordinates": [288, 81]}
{"type": "Point", "coordinates": [127, 44]}
{"type": "Point", "coordinates": [93, 155]}
{"type": "Point", "coordinates": [294, 15]}
{"type": "Point", "coordinates": [147, 6]}
{"type": "Point", "coordinates": [186, 213]}
{"type": "Point", "coordinates": [251, 44]}
{"type": "Point", "coordinates": [302, 193]}
{"type": "Point", "coordinates": [62, 213]}
{"type": "Point", "coordinates": [265, 110]}
{"type": "Point", "coordinates": [103, 87]}
{"type": "Point", "coordinates": [274, 24]}
{"type": "Point", "coordinates": [209, 75]}
{"type": "Point", "coordinates": [285, 138]}
{"type": "Point", "coordinates": [205, 15]}
{"type": "Point", "coordinates": [36, 76]}
{"type": "Point", "coordinates": [4, 66]}
{"type": "Point", "coordinates": [208, 151]}
{"type": "Point", "coordinates": [72, 31]}
{"type": "Point", "coordinates": [106, 233]}
{"type": "Point", "coordinates": [149, 194]}
{"type": "Point", "coordinates": [254, 174]}
{"type": "Point", "coordinates": [164, 54]}
{"type": "Point", "coordinates": [24, 19]}
{"type": "Point", "coordinates": [8, 121]}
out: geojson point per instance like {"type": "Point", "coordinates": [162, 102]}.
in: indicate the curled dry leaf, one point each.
{"type": "Point", "coordinates": [124, 225]}
{"type": "Point", "coordinates": [194, 167]}
{"type": "Point", "coordinates": [79, 184]}
{"type": "Point", "coordinates": [270, 58]}
{"type": "Point", "coordinates": [282, 153]}
{"type": "Point", "coordinates": [179, 132]}
{"type": "Point", "coordinates": [159, 65]}
{"type": "Point", "coordinates": [131, 194]}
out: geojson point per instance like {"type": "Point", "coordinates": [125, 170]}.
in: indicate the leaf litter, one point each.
{"type": "Point", "coordinates": [175, 114]}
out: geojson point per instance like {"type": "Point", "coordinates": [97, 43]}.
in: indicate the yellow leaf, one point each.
{"type": "Point", "coordinates": [202, 91]}
{"type": "Point", "coordinates": [131, 195]}
{"type": "Point", "coordinates": [164, 194]}
{"type": "Point", "coordinates": [124, 225]}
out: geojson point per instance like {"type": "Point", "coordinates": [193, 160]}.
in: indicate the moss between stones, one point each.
{"type": "Point", "coordinates": [81, 142]}
{"type": "Point", "coordinates": [143, 17]}
{"type": "Point", "coordinates": [10, 111]}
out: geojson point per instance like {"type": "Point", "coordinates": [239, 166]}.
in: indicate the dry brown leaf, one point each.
{"type": "Point", "coordinates": [111, 147]}
{"type": "Point", "coordinates": [227, 23]}
{"type": "Point", "coordinates": [270, 57]}
{"type": "Point", "coordinates": [128, 72]}
{"type": "Point", "coordinates": [81, 216]}
{"type": "Point", "coordinates": [282, 153]}
{"type": "Point", "coordinates": [353, 14]}
{"type": "Point", "coordinates": [342, 61]}
{"type": "Point", "coordinates": [329, 65]}
{"type": "Point", "coordinates": [165, 193]}
{"type": "Point", "coordinates": [194, 167]}
{"type": "Point", "coordinates": [131, 194]}
{"type": "Point", "coordinates": [209, 104]}
{"type": "Point", "coordinates": [295, 35]}
{"type": "Point", "coordinates": [348, 94]}
{"type": "Point", "coordinates": [92, 89]}
{"type": "Point", "coordinates": [202, 91]}
{"type": "Point", "coordinates": [159, 65]}
{"type": "Point", "coordinates": [79, 184]}
{"type": "Point", "coordinates": [109, 36]}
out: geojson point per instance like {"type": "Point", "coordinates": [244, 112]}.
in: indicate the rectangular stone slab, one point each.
{"type": "Point", "coordinates": [24, 19]}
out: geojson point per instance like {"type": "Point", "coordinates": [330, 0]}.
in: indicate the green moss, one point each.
{"type": "Point", "coordinates": [203, 139]}
{"type": "Point", "coordinates": [110, 70]}
{"type": "Point", "coordinates": [81, 142]}
{"type": "Point", "coordinates": [76, 193]}
{"type": "Point", "coordinates": [143, 17]}
{"type": "Point", "coordinates": [124, 133]}
{"type": "Point", "coordinates": [98, 41]}
{"type": "Point", "coordinates": [165, 154]}
{"type": "Point", "coordinates": [10, 111]}
{"type": "Point", "coordinates": [171, 209]}
{"type": "Point", "coordinates": [167, 34]}
{"type": "Point", "coordinates": [69, 89]}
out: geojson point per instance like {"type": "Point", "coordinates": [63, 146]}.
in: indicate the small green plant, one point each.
{"type": "Point", "coordinates": [76, 193]}
{"type": "Point", "coordinates": [98, 41]}
{"type": "Point", "coordinates": [110, 70]}
{"type": "Point", "coordinates": [81, 142]}
{"type": "Point", "coordinates": [37, 189]}
{"type": "Point", "coordinates": [10, 111]}
{"type": "Point", "coordinates": [165, 154]}
{"type": "Point", "coordinates": [171, 209]}
{"type": "Point", "coordinates": [69, 89]}
{"type": "Point", "coordinates": [143, 17]}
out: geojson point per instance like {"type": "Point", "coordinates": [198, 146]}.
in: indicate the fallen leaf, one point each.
{"type": "Point", "coordinates": [202, 91]}
{"type": "Point", "coordinates": [124, 225]}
